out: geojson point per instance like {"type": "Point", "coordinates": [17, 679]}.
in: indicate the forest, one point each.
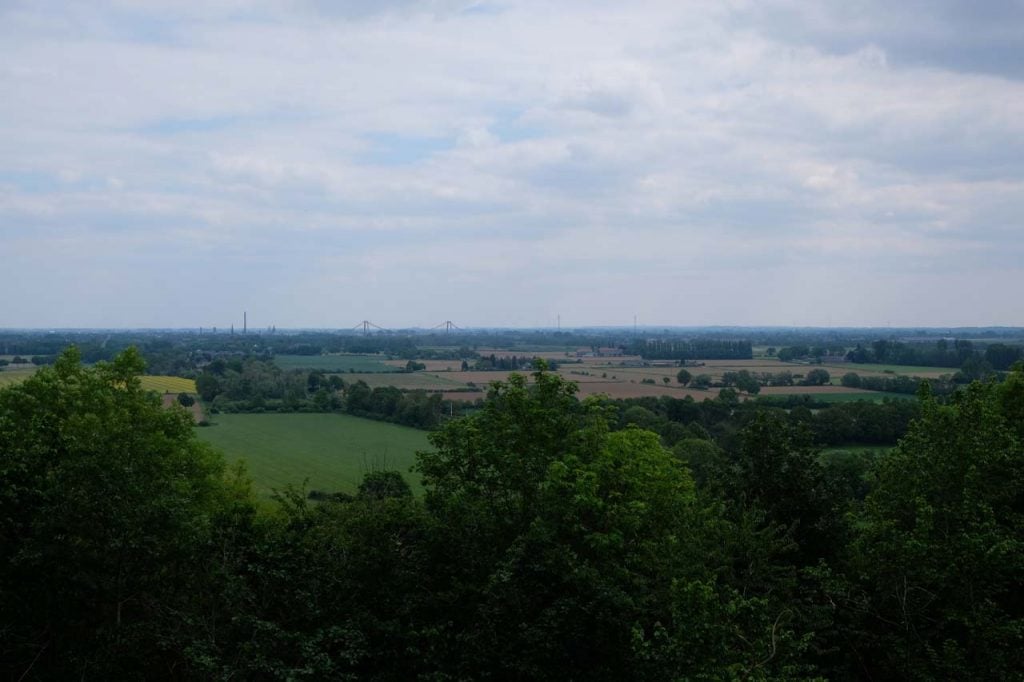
{"type": "Point", "coordinates": [557, 538]}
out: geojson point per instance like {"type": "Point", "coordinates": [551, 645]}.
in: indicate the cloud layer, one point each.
{"type": "Point", "coordinates": [691, 163]}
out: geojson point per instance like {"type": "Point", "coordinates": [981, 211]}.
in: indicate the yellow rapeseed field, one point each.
{"type": "Point", "coordinates": [165, 384]}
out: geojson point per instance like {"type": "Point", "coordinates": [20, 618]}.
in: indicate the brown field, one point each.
{"type": "Point", "coordinates": [591, 376]}
{"type": "Point", "coordinates": [467, 396]}
{"type": "Point", "coordinates": [627, 382]}
{"type": "Point", "coordinates": [482, 378]}
{"type": "Point", "coordinates": [546, 354]}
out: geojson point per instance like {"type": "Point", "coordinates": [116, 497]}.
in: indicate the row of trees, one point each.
{"type": "Point", "coordinates": [507, 363]}
{"type": "Point", "coordinates": [546, 546]}
{"type": "Point", "coordinates": [692, 349]}
{"type": "Point", "coordinates": [751, 382]}
{"type": "Point", "coordinates": [943, 353]}
{"type": "Point", "coordinates": [720, 421]}
{"type": "Point", "coordinates": [258, 385]}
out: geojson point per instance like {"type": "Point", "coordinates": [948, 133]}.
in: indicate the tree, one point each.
{"type": "Point", "coordinates": [107, 502]}
{"type": "Point", "coordinates": [817, 377]}
{"type": "Point", "coordinates": [938, 560]}
{"type": "Point", "coordinates": [775, 470]}
{"type": "Point", "coordinates": [702, 381]}
{"type": "Point", "coordinates": [747, 383]}
{"type": "Point", "coordinates": [684, 377]}
{"type": "Point", "coordinates": [568, 551]}
{"type": "Point", "coordinates": [208, 386]}
{"type": "Point", "coordinates": [186, 400]}
{"type": "Point", "coordinates": [378, 485]}
{"type": "Point", "coordinates": [704, 459]}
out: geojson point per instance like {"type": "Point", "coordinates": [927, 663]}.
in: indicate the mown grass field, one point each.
{"type": "Point", "coordinates": [336, 363]}
{"type": "Point", "coordinates": [166, 384]}
{"type": "Point", "coordinates": [332, 451]}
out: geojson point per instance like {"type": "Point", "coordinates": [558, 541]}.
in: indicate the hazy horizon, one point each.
{"type": "Point", "coordinates": [498, 164]}
{"type": "Point", "coordinates": [400, 329]}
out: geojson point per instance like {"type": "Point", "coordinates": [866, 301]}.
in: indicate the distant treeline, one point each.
{"type": "Point", "coordinates": [258, 385]}
{"type": "Point", "coordinates": [898, 383]}
{"type": "Point", "coordinates": [943, 353]}
{"type": "Point", "coordinates": [183, 352]}
{"type": "Point", "coordinates": [692, 349]}
{"type": "Point", "coordinates": [720, 420]}
{"type": "Point", "coordinates": [509, 363]}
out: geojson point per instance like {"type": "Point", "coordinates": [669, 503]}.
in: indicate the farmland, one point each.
{"type": "Point", "coordinates": [621, 377]}
{"type": "Point", "coordinates": [844, 396]}
{"type": "Point", "coordinates": [166, 384]}
{"type": "Point", "coordinates": [161, 384]}
{"type": "Point", "coordinates": [874, 370]}
{"type": "Point", "coordinates": [10, 375]}
{"type": "Point", "coordinates": [330, 451]}
{"type": "Point", "coordinates": [342, 362]}
{"type": "Point", "coordinates": [410, 381]}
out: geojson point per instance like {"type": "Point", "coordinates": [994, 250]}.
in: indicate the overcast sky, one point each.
{"type": "Point", "coordinates": [502, 163]}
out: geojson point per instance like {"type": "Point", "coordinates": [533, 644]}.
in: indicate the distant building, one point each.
{"type": "Point", "coordinates": [609, 352]}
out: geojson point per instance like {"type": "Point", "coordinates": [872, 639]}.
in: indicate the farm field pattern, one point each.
{"type": "Point", "coordinates": [624, 378]}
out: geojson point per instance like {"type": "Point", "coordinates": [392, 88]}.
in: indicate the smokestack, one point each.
{"type": "Point", "coordinates": [245, 321]}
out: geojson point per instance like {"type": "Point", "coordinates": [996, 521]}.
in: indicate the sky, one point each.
{"type": "Point", "coordinates": [317, 163]}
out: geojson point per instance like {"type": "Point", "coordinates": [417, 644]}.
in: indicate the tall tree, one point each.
{"type": "Point", "coordinates": [940, 556]}
{"type": "Point", "coordinates": [106, 502]}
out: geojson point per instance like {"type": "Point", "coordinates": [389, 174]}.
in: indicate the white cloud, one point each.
{"type": "Point", "coordinates": [569, 153]}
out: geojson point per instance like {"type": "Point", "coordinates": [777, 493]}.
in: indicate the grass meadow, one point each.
{"type": "Point", "coordinates": [9, 375]}
{"type": "Point", "coordinates": [328, 452]}
{"type": "Point", "coordinates": [335, 363]}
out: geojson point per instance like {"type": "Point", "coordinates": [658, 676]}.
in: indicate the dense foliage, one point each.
{"type": "Point", "coordinates": [692, 349]}
{"type": "Point", "coordinates": [556, 539]}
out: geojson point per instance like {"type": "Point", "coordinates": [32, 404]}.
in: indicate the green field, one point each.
{"type": "Point", "coordinates": [13, 376]}
{"type": "Point", "coordinates": [332, 451]}
{"type": "Point", "coordinates": [407, 381]}
{"type": "Point", "coordinates": [335, 363]}
{"type": "Point", "coordinates": [871, 396]}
